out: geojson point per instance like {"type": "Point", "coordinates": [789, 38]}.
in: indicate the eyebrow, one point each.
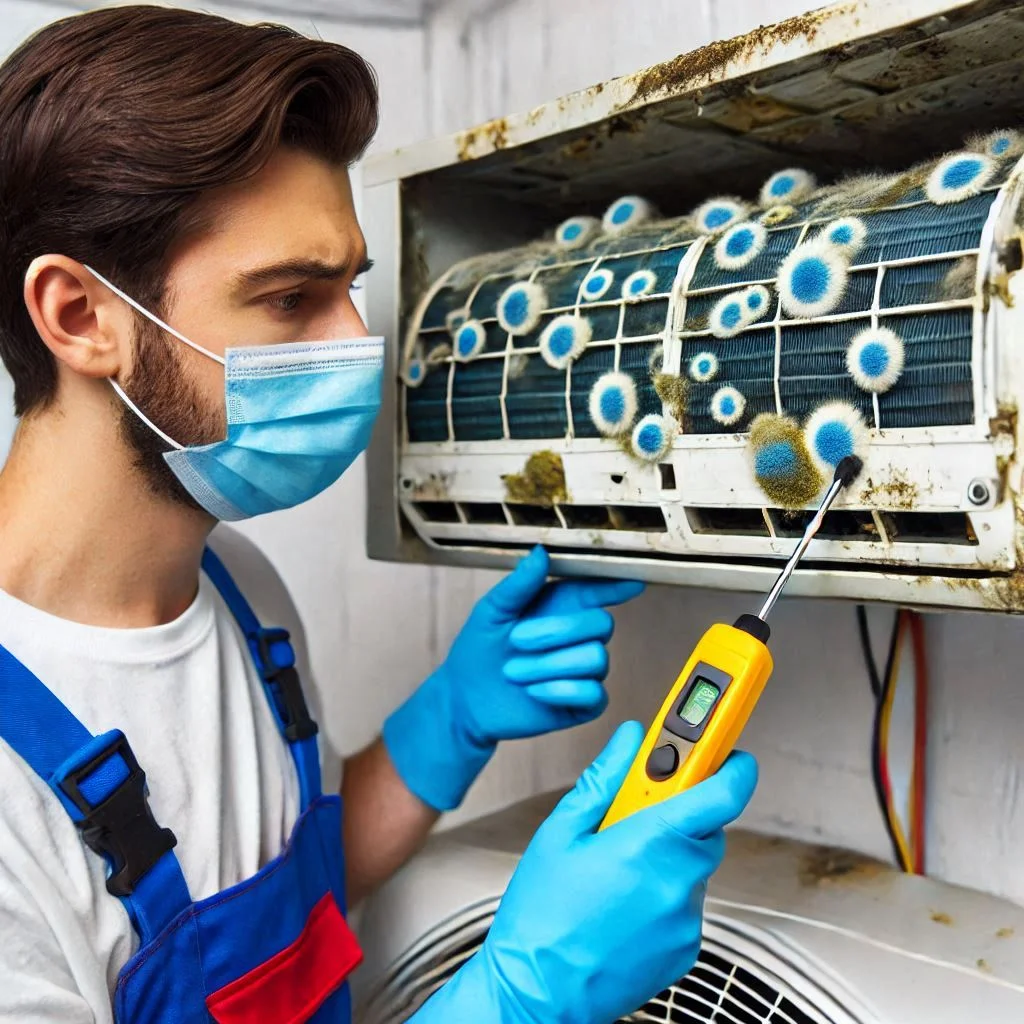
{"type": "Point", "coordinates": [316, 270]}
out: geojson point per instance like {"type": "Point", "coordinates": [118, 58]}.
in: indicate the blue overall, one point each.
{"type": "Point", "coordinates": [273, 949]}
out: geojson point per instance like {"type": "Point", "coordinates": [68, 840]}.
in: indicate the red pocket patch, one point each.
{"type": "Point", "coordinates": [291, 986]}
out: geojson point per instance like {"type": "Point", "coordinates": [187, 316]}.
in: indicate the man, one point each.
{"type": "Point", "coordinates": [179, 248]}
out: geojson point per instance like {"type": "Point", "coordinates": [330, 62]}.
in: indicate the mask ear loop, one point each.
{"type": "Point", "coordinates": [170, 330]}
{"type": "Point", "coordinates": [145, 419]}
{"type": "Point", "coordinates": [155, 319]}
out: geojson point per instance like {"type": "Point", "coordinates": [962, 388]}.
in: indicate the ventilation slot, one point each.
{"type": "Point", "coordinates": [849, 526]}
{"type": "Point", "coordinates": [719, 990]}
{"type": "Point", "coordinates": [668, 476]}
{"type": "Point", "coordinates": [483, 513]}
{"type": "Point", "coordinates": [734, 522]}
{"type": "Point", "coordinates": [534, 515]}
{"type": "Point", "coordinates": [637, 518]}
{"type": "Point", "coordinates": [929, 527]}
{"type": "Point", "coordinates": [586, 517]}
{"type": "Point", "coordinates": [724, 986]}
{"type": "Point", "coordinates": [438, 511]}
{"type": "Point", "coordinates": [646, 518]}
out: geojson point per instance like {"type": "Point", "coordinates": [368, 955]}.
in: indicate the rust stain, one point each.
{"type": "Point", "coordinates": [826, 865]}
{"type": "Point", "coordinates": [1004, 421]}
{"type": "Point", "coordinates": [1003, 593]}
{"type": "Point", "coordinates": [493, 134]}
{"type": "Point", "coordinates": [940, 917]}
{"type": "Point", "coordinates": [437, 487]}
{"type": "Point", "coordinates": [998, 287]}
{"type": "Point", "coordinates": [898, 491]}
{"type": "Point", "coordinates": [628, 124]}
{"type": "Point", "coordinates": [750, 111]}
{"type": "Point", "coordinates": [691, 70]}
{"type": "Point", "coordinates": [542, 481]}
{"type": "Point", "coordinates": [579, 148]}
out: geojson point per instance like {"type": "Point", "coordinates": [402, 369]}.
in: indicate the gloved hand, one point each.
{"type": "Point", "coordinates": [592, 926]}
{"type": "Point", "coordinates": [530, 660]}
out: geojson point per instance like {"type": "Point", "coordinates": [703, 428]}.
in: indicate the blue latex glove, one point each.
{"type": "Point", "coordinates": [594, 925]}
{"type": "Point", "coordinates": [531, 659]}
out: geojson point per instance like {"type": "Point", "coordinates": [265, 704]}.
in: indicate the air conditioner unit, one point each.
{"type": "Point", "coordinates": [647, 244]}
{"type": "Point", "coordinates": [794, 934]}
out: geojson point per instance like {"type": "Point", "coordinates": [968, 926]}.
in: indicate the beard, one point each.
{"type": "Point", "coordinates": [160, 386]}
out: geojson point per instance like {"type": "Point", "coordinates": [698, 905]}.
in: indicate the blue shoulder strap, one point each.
{"type": "Point", "coordinates": [274, 657]}
{"type": "Point", "coordinates": [103, 789]}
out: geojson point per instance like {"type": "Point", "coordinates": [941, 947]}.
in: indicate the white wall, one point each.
{"type": "Point", "coordinates": [375, 629]}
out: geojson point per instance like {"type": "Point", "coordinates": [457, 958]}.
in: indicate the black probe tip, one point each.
{"type": "Point", "coordinates": [848, 470]}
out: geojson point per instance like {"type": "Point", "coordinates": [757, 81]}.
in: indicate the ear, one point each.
{"type": "Point", "coordinates": [84, 324]}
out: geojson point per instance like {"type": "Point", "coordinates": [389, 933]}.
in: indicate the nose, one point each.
{"type": "Point", "coordinates": [344, 322]}
{"type": "Point", "coordinates": [361, 329]}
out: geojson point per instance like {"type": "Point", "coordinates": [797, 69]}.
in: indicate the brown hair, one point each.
{"type": "Point", "coordinates": [116, 120]}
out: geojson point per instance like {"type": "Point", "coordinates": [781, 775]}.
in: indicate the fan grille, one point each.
{"type": "Point", "coordinates": [722, 988]}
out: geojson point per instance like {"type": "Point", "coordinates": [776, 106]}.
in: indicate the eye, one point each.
{"type": "Point", "coordinates": [285, 303]}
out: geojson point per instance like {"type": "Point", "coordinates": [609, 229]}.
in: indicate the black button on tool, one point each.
{"type": "Point", "coordinates": [663, 762]}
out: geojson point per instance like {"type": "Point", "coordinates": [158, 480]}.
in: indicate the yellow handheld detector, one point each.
{"type": "Point", "coordinates": [709, 704]}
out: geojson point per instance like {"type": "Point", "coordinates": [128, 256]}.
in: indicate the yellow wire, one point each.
{"type": "Point", "coordinates": [891, 811]}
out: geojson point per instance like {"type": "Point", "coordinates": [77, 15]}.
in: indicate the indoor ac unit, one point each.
{"type": "Point", "coordinates": [794, 934]}
{"type": "Point", "coordinates": [637, 323]}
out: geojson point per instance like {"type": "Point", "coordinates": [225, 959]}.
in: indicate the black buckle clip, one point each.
{"type": "Point", "coordinates": [121, 828]}
{"type": "Point", "coordinates": [298, 725]}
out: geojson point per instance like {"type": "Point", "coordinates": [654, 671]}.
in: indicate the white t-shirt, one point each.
{"type": "Point", "coordinates": [189, 700]}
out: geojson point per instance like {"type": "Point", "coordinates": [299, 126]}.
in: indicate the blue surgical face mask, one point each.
{"type": "Point", "coordinates": [297, 417]}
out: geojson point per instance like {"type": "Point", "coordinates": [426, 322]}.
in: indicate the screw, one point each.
{"type": "Point", "coordinates": [978, 492]}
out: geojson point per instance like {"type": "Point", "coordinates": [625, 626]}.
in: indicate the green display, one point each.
{"type": "Point", "coordinates": [700, 702]}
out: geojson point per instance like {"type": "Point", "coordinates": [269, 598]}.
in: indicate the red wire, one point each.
{"type": "Point", "coordinates": [920, 739]}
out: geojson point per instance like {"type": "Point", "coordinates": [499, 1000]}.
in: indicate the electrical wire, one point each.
{"type": "Point", "coordinates": [908, 839]}
{"type": "Point", "coordinates": [869, 656]}
{"type": "Point", "coordinates": [919, 789]}
{"type": "Point", "coordinates": [905, 858]}
{"type": "Point", "coordinates": [878, 772]}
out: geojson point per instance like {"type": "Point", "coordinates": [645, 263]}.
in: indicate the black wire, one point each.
{"type": "Point", "coordinates": [881, 695]}
{"type": "Point", "coordinates": [869, 657]}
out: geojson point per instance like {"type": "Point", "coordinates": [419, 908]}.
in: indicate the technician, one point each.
{"type": "Point", "coordinates": [179, 248]}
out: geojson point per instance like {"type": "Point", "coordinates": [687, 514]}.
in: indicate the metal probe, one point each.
{"type": "Point", "coordinates": [846, 472]}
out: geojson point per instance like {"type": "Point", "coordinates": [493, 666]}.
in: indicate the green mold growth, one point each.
{"type": "Point", "coordinates": [959, 282]}
{"type": "Point", "coordinates": [777, 215]}
{"type": "Point", "coordinates": [542, 481]}
{"type": "Point", "coordinates": [439, 354]}
{"type": "Point", "coordinates": [625, 442]}
{"type": "Point", "coordinates": [916, 177]}
{"type": "Point", "coordinates": [657, 361]}
{"type": "Point", "coordinates": [672, 389]}
{"type": "Point", "coordinates": [697, 323]}
{"type": "Point", "coordinates": [782, 464]}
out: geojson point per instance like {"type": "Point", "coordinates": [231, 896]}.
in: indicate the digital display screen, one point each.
{"type": "Point", "coordinates": [699, 703]}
